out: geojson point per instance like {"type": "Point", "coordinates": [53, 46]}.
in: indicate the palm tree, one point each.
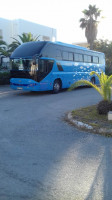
{"type": "Point", "coordinates": [2, 42]}
{"type": "Point", "coordinates": [22, 39]}
{"type": "Point", "coordinates": [105, 85]}
{"type": "Point", "coordinates": [90, 23]}
{"type": "Point", "coordinates": [4, 48]}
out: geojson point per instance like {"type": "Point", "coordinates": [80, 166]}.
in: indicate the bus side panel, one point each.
{"type": "Point", "coordinates": [73, 71]}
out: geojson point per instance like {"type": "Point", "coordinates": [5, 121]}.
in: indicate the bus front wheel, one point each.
{"type": "Point", "coordinates": [56, 86]}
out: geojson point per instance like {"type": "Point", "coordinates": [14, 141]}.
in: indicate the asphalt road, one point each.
{"type": "Point", "coordinates": [44, 158]}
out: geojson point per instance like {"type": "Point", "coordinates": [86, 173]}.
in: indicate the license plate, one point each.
{"type": "Point", "coordinates": [19, 88]}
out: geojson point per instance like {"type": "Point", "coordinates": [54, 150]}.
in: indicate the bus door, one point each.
{"type": "Point", "coordinates": [45, 66]}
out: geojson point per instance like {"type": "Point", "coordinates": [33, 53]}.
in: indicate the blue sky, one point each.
{"type": "Point", "coordinates": [63, 15]}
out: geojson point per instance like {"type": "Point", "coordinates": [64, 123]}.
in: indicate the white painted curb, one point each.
{"type": "Point", "coordinates": [78, 123]}
{"type": "Point", "coordinates": [81, 125]}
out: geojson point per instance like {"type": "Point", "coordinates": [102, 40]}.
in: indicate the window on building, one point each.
{"type": "Point", "coordinates": [45, 38]}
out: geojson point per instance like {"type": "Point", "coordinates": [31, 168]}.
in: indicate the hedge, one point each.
{"type": "Point", "coordinates": [4, 78]}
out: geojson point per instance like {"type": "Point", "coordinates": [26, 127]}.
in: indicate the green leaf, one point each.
{"type": "Point", "coordinates": [105, 85]}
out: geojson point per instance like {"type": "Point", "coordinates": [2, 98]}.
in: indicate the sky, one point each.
{"type": "Point", "coordinates": [63, 15]}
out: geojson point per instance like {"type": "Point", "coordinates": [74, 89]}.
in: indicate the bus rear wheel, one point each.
{"type": "Point", "coordinates": [56, 86]}
{"type": "Point", "coordinates": [93, 80]}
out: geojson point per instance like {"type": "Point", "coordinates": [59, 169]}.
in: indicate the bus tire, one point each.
{"type": "Point", "coordinates": [56, 86]}
{"type": "Point", "coordinates": [93, 80]}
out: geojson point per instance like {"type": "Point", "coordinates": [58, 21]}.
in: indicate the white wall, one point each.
{"type": "Point", "coordinates": [5, 27]}
{"type": "Point", "coordinates": [36, 29]}
{"type": "Point", "coordinates": [13, 28]}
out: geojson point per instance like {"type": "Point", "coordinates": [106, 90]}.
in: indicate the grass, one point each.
{"type": "Point", "coordinates": [90, 116]}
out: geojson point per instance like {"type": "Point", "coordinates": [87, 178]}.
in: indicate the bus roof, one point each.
{"type": "Point", "coordinates": [76, 47]}
{"type": "Point", "coordinates": [31, 49]}
{"type": "Point", "coordinates": [71, 45]}
{"type": "Point", "coordinates": [28, 49]}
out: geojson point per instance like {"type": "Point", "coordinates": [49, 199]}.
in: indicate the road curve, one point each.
{"type": "Point", "coordinates": [44, 158]}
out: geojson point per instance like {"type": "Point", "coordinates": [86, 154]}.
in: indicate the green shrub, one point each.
{"type": "Point", "coordinates": [104, 107]}
{"type": "Point", "coordinates": [4, 78]}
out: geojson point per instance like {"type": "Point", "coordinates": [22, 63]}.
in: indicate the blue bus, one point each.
{"type": "Point", "coordinates": [44, 65]}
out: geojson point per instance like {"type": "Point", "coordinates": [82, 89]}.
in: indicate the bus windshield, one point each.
{"type": "Point", "coordinates": [41, 65]}
{"type": "Point", "coordinates": [21, 64]}
{"type": "Point", "coordinates": [34, 69]}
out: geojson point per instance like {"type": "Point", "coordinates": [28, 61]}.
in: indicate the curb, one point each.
{"type": "Point", "coordinates": [87, 127]}
{"type": "Point", "coordinates": [78, 123]}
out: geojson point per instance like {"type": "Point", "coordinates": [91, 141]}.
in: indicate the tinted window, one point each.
{"type": "Point", "coordinates": [87, 58]}
{"type": "Point", "coordinates": [101, 59]}
{"type": "Point", "coordinates": [65, 55]}
{"type": "Point", "coordinates": [78, 57]}
{"type": "Point", "coordinates": [58, 54]}
{"type": "Point", "coordinates": [70, 56]}
{"type": "Point", "coordinates": [59, 67]}
{"type": "Point", "coordinates": [45, 66]}
{"type": "Point", "coordinates": [95, 59]}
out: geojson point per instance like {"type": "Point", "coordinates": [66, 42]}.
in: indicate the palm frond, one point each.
{"type": "Point", "coordinates": [84, 82]}
{"type": "Point", "coordinates": [95, 73]}
{"type": "Point", "coordinates": [105, 85]}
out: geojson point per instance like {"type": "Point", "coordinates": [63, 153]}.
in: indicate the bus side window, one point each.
{"type": "Point", "coordinates": [59, 67]}
{"type": "Point", "coordinates": [95, 59]}
{"type": "Point", "coordinates": [49, 65]}
{"type": "Point", "coordinates": [78, 57]}
{"type": "Point", "coordinates": [87, 58]}
{"type": "Point", "coordinates": [65, 55]}
{"type": "Point", "coordinates": [58, 55]}
{"type": "Point", "coordinates": [70, 56]}
{"type": "Point", "coordinates": [102, 59]}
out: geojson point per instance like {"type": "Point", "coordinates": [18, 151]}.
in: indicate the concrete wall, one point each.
{"type": "Point", "coordinates": [5, 30]}
{"type": "Point", "coordinates": [13, 28]}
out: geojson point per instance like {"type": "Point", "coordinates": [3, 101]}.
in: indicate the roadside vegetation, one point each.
{"type": "Point", "coordinates": [7, 49]}
{"type": "Point", "coordinates": [4, 78]}
{"type": "Point", "coordinates": [90, 116]}
{"type": "Point", "coordinates": [96, 115]}
{"type": "Point", "coordinates": [90, 23]}
{"type": "Point", "coordinates": [105, 46]}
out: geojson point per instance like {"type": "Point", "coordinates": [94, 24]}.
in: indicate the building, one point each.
{"type": "Point", "coordinates": [10, 29]}
{"type": "Point", "coordinates": [82, 44]}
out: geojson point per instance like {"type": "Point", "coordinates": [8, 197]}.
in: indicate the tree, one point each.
{"type": "Point", "coordinates": [105, 46]}
{"type": "Point", "coordinates": [90, 23]}
{"type": "Point", "coordinates": [22, 39]}
{"type": "Point", "coordinates": [2, 42]}
{"type": "Point", "coordinates": [4, 48]}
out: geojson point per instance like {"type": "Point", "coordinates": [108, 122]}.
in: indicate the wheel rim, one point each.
{"type": "Point", "coordinates": [56, 86]}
